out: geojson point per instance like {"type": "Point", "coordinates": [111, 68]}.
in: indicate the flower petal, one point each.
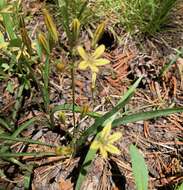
{"type": "Point", "coordinates": [106, 131]}
{"type": "Point", "coordinates": [95, 145]}
{"type": "Point", "coordinates": [103, 152]}
{"type": "Point", "coordinates": [83, 65]}
{"type": "Point", "coordinates": [100, 62]}
{"type": "Point", "coordinates": [94, 76]}
{"type": "Point", "coordinates": [82, 53]}
{"type": "Point", "coordinates": [93, 68]}
{"type": "Point", "coordinates": [98, 52]}
{"type": "Point", "coordinates": [114, 137]}
{"type": "Point", "coordinates": [112, 149]}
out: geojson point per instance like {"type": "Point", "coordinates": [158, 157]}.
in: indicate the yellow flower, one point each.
{"type": "Point", "coordinates": [105, 141]}
{"type": "Point", "coordinates": [92, 61]}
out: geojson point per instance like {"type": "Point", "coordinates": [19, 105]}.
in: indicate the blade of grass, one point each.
{"type": "Point", "coordinates": [145, 116]}
{"type": "Point", "coordinates": [27, 178]}
{"type": "Point", "coordinates": [33, 154]}
{"type": "Point", "coordinates": [139, 168]}
{"type": "Point", "coordinates": [5, 124]}
{"type": "Point", "coordinates": [46, 71]}
{"type": "Point", "coordinates": [180, 187]}
{"type": "Point", "coordinates": [85, 166]}
{"type": "Point", "coordinates": [24, 126]}
{"type": "Point", "coordinates": [7, 20]}
{"type": "Point", "coordinates": [15, 161]}
{"type": "Point", "coordinates": [19, 99]}
{"type": "Point", "coordinates": [173, 61]}
{"type": "Point", "coordinates": [20, 139]}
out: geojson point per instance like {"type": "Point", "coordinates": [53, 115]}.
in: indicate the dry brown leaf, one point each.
{"type": "Point", "coordinates": [180, 67]}
{"type": "Point", "coordinates": [65, 184]}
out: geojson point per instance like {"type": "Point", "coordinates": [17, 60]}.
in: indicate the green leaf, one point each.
{"type": "Point", "coordinates": [145, 116]}
{"type": "Point", "coordinates": [7, 20]}
{"type": "Point", "coordinates": [180, 187]}
{"type": "Point", "coordinates": [9, 140]}
{"type": "Point", "coordinates": [24, 126]}
{"type": "Point", "coordinates": [27, 178]}
{"type": "Point", "coordinates": [5, 124]}
{"type": "Point", "coordinates": [85, 167]}
{"type": "Point", "coordinates": [10, 87]}
{"type": "Point", "coordinates": [5, 66]}
{"type": "Point", "coordinates": [17, 42]}
{"type": "Point", "coordinates": [139, 168]}
{"type": "Point", "coordinates": [33, 154]}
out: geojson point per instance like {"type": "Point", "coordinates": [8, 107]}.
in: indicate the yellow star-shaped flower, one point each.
{"type": "Point", "coordinates": [92, 61]}
{"type": "Point", "coordinates": [105, 141]}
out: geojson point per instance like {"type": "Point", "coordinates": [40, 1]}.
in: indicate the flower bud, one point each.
{"type": "Point", "coordinates": [63, 150]}
{"type": "Point", "coordinates": [43, 43]}
{"type": "Point", "coordinates": [50, 25]}
{"type": "Point", "coordinates": [98, 34]}
{"type": "Point", "coordinates": [75, 27]}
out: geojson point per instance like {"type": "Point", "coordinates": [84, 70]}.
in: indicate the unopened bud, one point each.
{"type": "Point", "coordinates": [50, 25]}
{"type": "Point", "coordinates": [75, 27]}
{"type": "Point", "coordinates": [98, 34]}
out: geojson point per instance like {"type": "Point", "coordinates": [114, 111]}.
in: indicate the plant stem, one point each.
{"type": "Point", "coordinates": [73, 94]}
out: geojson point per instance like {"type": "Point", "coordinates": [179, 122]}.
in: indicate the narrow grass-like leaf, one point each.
{"type": "Point", "coordinates": [5, 124]}
{"type": "Point", "coordinates": [145, 116]}
{"type": "Point", "coordinates": [27, 178]}
{"type": "Point", "coordinates": [7, 20]}
{"type": "Point", "coordinates": [139, 168]}
{"type": "Point", "coordinates": [180, 187]}
{"type": "Point", "coordinates": [32, 154]}
{"type": "Point", "coordinates": [85, 166]}
{"type": "Point", "coordinates": [167, 66]}
{"type": "Point", "coordinates": [26, 140]}
{"type": "Point", "coordinates": [46, 72]}
{"type": "Point", "coordinates": [17, 162]}
{"type": "Point", "coordinates": [24, 126]}
{"type": "Point", "coordinates": [19, 99]}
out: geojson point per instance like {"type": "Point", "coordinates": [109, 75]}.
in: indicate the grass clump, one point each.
{"type": "Point", "coordinates": [145, 16]}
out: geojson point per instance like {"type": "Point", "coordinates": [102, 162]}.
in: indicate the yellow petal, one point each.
{"type": "Point", "coordinates": [95, 145]}
{"type": "Point", "coordinates": [106, 131]}
{"type": "Point", "coordinates": [114, 137]}
{"type": "Point", "coordinates": [93, 68]}
{"type": "Point", "coordinates": [98, 52]}
{"type": "Point", "coordinates": [4, 45]}
{"type": "Point", "coordinates": [112, 149]}
{"type": "Point", "coordinates": [83, 65]}
{"type": "Point", "coordinates": [94, 76]}
{"type": "Point", "coordinates": [100, 62]}
{"type": "Point", "coordinates": [82, 53]}
{"type": "Point", "coordinates": [103, 152]}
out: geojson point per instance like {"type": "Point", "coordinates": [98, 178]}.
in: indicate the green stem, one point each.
{"type": "Point", "coordinates": [46, 71]}
{"type": "Point", "coordinates": [73, 94]}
